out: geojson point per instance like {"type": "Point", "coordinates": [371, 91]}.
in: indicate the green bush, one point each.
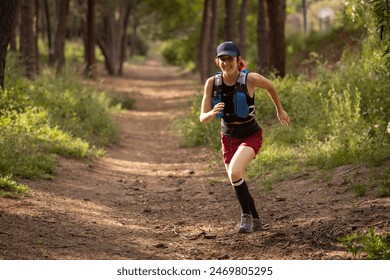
{"type": "Point", "coordinates": [122, 101]}
{"type": "Point", "coordinates": [179, 51]}
{"type": "Point", "coordinates": [193, 132]}
{"type": "Point", "coordinates": [76, 108]}
{"type": "Point", "coordinates": [10, 188]}
{"type": "Point", "coordinates": [370, 245]}
{"type": "Point", "coordinates": [47, 117]}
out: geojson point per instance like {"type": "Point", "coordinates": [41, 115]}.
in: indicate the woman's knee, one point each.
{"type": "Point", "coordinates": [234, 174]}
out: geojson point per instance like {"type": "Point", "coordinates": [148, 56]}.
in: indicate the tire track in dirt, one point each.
{"type": "Point", "coordinates": [150, 198]}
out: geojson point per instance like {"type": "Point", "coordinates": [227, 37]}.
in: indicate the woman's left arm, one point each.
{"type": "Point", "coordinates": [256, 80]}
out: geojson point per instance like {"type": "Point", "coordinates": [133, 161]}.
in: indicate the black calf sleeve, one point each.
{"type": "Point", "coordinates": [243, 195]}
{"type": "Point", "coordinates": [245, 198]}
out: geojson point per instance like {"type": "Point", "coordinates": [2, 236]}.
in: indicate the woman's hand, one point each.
{"type": "Point", "coordinates": [218, 108]}
{"type": "Point", "coordinates": [283, 117]}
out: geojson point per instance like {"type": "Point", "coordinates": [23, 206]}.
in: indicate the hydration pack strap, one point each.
{"type": "Point", "coordinates": [242, 77]}
{"type": "Point", "coordinates": [240, 83]}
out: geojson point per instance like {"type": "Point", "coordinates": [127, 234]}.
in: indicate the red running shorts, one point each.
{"type": "Point", "coordinates": [230, 145]}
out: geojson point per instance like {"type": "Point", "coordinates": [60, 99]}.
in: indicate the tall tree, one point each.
{"type": "Point", "coordinates": [48, 27]}
{"type": "Point", "coordinates": [262, 38]}
{"type": "Point", "coordinates": [15, 27]}
{"type": "Point", "coordinates": [213, 37]}
{"type": "Point", "coordinates": [90, 41]}
{"type": "Point", "coordinates": [277, 19]}
{"type": "Point", "coordinates": [123, 48]}
{"type": "Point", "coordinates": [62, 10]}
{"type": "Point", "coordinates": [28, 38]}
{"type": "Point", "coordinates": [7, 12]}
{"type": "Point", "coordinates": [242, 30]}
{"type": "Point", "coordinates": [304, 10]}
{"type": "Point", "coordinates": [111, 37]}
{"type": "Point", "coordinates": [204, 46]}
{"type": "Point", "coordinates": [134, 21]}
{"type": "Point", "coordinates": [230, 20]}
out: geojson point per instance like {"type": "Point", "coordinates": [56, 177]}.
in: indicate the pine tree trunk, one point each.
{"type": "Point", "coordinates": [125, 12]}
{"type": "Point", "coordinates": [59, 39]}
{"type": "Point", "coordinates": [48, 27]}
{"type": "Point", "coordinates": [7, 12]}
{"type": "Point", "coordinates": [213, 38]}
{"type": "Point", "coordinates": [204, 40]}
{"type": "Point", "coordinates": [90, 40]}
{"type": "Point", "coordinates": [15, 26]}
{"type": "Point", "coordinates": [28, 42]}
{"type": "Point", "coordinates": [277, 19]}
{"type": "Point", "coordinates": [134, 35]}
{"type": "Point", "coordinates": [230, 20]}
{"type": "Point", "coordinates": [111, 39]}
{"type": "Point", "coordinates": [134, 26]}
{"type": "Point", "coordinates": [262, 39]}
{"type": "Point", "coordinates": [242, 30]}
{"type": "Point", "coordinates": [304, 9]}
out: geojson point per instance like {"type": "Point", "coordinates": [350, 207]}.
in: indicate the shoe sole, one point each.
{"type": "Point", "coordinates": [263, 228]}
{"type": "Point", "coordinates": [241, 230]}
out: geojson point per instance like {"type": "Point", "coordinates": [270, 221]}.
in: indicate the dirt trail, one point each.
{"type": "Point", "coordinates": [149, 198]}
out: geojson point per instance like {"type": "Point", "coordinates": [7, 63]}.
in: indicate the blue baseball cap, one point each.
{"type": "Point", "coordinates": [227, 48]}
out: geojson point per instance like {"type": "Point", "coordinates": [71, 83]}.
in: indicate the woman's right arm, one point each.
{"type": "Point", "coordinates": [207, 114]}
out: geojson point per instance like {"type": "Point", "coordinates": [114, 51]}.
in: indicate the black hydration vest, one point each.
{"type": "Point", "coordinates": [239, 106]}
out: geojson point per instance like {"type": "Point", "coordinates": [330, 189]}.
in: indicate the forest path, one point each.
{"type": "Point", "coordinates": [150, 198]}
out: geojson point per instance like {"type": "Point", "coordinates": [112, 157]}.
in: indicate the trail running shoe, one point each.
{"type": "Point", "coordinates": [257, 225]}
{"type": "Point", "coordinates": [246, 224]}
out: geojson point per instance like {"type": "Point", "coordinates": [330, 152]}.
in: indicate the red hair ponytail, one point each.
{"type": "Point", "coordinates": [241, 63]}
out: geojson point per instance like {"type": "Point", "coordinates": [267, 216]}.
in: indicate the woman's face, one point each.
{"type": "Point", "coordinates": [228, 64]}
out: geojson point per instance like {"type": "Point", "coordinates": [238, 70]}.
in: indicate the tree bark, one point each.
{"type": "Point", "coordinates": [123, 47]}
{"type": "Point", "coordinates": [111, 39]}
{"type": "Point", "coordinates": [230, 19]}
{"type": "Point", "coordinates": [305, 22]}
{"type": "Point", "coordinates": [28, 41]}
{"type": "Point", "coordinates": [134, 34]}
{"type": "Point", "coordinates": [62, 7]}
{"type": "Point", "coordinates": [48, 27]}
{"type": "Point", "coordinates": [15, 26]}
{"type": "Point", "coordinates": [7, 12]}
{"type": "Point", "coordinates": [242, 30]}
{"type": "Point", "coordinates": [277, 19]}
{"type": "Point", "coordinates": [262, 39]}
{"type": "Point", "coordinates": [90, 41]}
{"type": "Point", "coordinates": [213, 38]}
{"type": "Point", "coordinates": [204, 40]}
{"type": "Point", "coordinates": [134, 22]}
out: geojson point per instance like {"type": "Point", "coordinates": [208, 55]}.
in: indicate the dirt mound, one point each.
{"type": "Point", "coordinates": [149, 198]}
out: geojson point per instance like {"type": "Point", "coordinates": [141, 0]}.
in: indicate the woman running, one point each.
{"type": "Point", "coordinates": [230, 96]}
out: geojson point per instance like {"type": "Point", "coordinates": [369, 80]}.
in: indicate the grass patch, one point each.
{"type": "Point", "coordinates": [10, 188]}
{"type": "Point", "coordinates": [370, 245]}
{"type": "Point", "coordinates": [52, 115]}
{"type": "Point", "coordinates": [122, 101]}
{"type": "Point", "coordinates": [383, 187]}
{"type": "Point", "coordinates": [359, 189]}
